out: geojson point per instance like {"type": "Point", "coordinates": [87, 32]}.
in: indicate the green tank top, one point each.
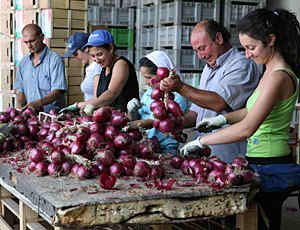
{"type": "Point", "coordinates": [271, 138]}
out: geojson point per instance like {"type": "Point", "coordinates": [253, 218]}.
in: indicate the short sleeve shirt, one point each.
{"type": "Point", "coordinates": [87, 85]}
{"type": "Point", "coordinates": [234, 79]}
{"type": "Point", "coordinates": [38, 81]}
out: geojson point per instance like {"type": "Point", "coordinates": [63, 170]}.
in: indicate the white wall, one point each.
{"type": "Point", "coordinates": [292, 5]}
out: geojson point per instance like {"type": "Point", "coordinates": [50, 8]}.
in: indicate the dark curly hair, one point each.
{"type": "Point", "coordinates": [145, 62]}
{"type": "Point", "coordinates": [260, 23]}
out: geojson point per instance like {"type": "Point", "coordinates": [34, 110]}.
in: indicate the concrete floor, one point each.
{"type": "Point", "coordinates": [290, 214]}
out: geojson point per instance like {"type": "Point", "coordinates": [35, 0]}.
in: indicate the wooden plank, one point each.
{"type": "Point", "coordinates": [56, 42]}
{"type": "Point", "coordinates": [75, 98]}
{"type": "Point", "coordinates": [79, 15]}
{"type": "Point", "coordinates": [74, 80]}
{"type": "Point", "coordinates": [248, 219]}
{"type": "Point", "coordinates": [11, 205]}
{"type": "Point", "coordinates": [60, 33]}
{"type": "Point", "coordinates": [26, 215]}
{"type": "Point", "coordinates": [74, 90]}
{"type": "Point", "coordinates": [36, 226]}
{"type": "Point", "coordinates": [4, 225]}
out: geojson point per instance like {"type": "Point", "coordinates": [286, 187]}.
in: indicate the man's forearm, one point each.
{"type": "Point", "coordinates": [21, 100]}
{"type": "Point", "coordinates": [51, 97]}
{"type": "Point", "coordinates": [206, 99]}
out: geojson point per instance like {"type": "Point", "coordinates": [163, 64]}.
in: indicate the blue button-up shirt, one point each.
{"type": "Point", "coordinates": [234, 79]}
{"type": "Point", "coordinates": [38, 81]}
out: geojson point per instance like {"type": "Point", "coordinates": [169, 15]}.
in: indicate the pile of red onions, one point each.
{"type": "Point", "coordinates": [166, 111]}
{"type": "Point", "coordinates": [215, 172]}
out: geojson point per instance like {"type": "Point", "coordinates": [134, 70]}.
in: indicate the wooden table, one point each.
{"type": "Point", "coordinates": [65, 201]}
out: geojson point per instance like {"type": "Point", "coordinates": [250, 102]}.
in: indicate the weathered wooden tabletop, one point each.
{"type": "Point", "coordinates": [66, 201]}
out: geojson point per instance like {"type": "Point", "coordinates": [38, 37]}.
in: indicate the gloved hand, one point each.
{"type": "Point", "coordinates": [209, 124]}
{"type": "Point", "coordinates": [194, 147]}
{"type": "Point", "coordinates": [133, 105]}
{"type": "Point", "coordinates": [72, 108]}
{"type": "Point", "coordinates": [89, 109]}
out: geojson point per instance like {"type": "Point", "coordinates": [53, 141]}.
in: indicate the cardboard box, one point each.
{"type": "Point", "coordinates": [26, 4]}
{"type": "Point", "coordinates": [59, 4]}
{"type": "Point", "coordinates": [6, 24]}
{"type": "Point", "coordinates": [20, 50]}
{"type": "Point", "coordinates": [5, 77]}
{"type": "Point", "coordinates": [24, 17]}
{"type": "Point", "coordinates": [6, 50]}
{"type": "Point", "coordinates": [6, 4]}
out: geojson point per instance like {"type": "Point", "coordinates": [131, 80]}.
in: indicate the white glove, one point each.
{"type": "Point", "coordinates": [208, 124]}
{"type": "Point", "coordinates": [133, 105]}
{"type": "Point", "coordinates": [191, 147]}
{"type": "Point", "coordinates": [89, 109]}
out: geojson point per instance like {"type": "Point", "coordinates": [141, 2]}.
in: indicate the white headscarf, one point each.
{"type": "Point", "coordinates": [161, 59]}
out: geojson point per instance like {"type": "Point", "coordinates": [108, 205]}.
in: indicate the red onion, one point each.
{"type": "Point", "coordinates": [94, 170]}
{"type": "Point", "coordinates": [105, 156]}
{"type": "Point", "coordinates": [102, 114]}
{"type": "Point", "coordinates": [160, 113]}
{"type": "Point", "coordinates": [83, 119]}
{"type": "Point", "coordinates": [156, 123]}
{"type": "Point", "coordinates": [47, 147]}
{"type": "Point", "coordinates": [57, 157]}
{"type": "Point", "coordinates": [18, 119]}
{"type": "Point", "coordinates": [42, 133]}
{"type": "Point", "coordinates": [33, 121]}
{"type": "Point", "coordinates": [127, 161]}
{"type": "Point", "coordinates": [155, 104]}
{"type": "Point", "coordinates": [141, 169]}
{"type": "Point", "coordinates": [56, 142]}
{"type": "Point", "coordinates": [157, 94]}
{"type": "Point", "coordinates": [122, 140]}
{"type": "Point", "coordinates": [76, 147]}
{"type": "Point", "coordinates": [29, 112]}
{"type": "Point", "coordinates": [102, 168]}
{"type": "Point", "coordinates": [234, 179]}
{"type": "Point", "coordinates": [54, 126]}
{"type": "Point", "coordinates": [214, 174]}
{"type": "Point", "coordinates": [66, 168]}
{"type": "Point", "coordinates": [41, 168]}
{"type": "Point", "coordinates": [157, 172]}
{"type": "Point", "coordinates": [176, 162]}
{"type": "Point", "coordinates": [107, 181]}
{"type": "Point", "coordinates": [94, 141]}
{"type": "Point", "coordinates": [53, 169]}
{"type": "Point", "coordinates": [31, 166]}
{"type": "Point", "coordinates": [36, 155]}
{"type": "Point", "coordinates": [128, 171]}
{"type": "Point", "coordinates": [135, 134]}
{"type": "Point", "coordinates": [96, 127]}
{"type": "Point", "coordinates": [239, 162]}
{"type": "Point", "coordinates": [22, 129]}
{"type": "Point", "coordinates": [219, 165]}
{"type": "Point", "coordinates": [82, 172]}
{"type": "Point", "coordinates": [74, 169]}
{"type": "Point", "coordinates": [166, 126]}
{"type": "Point", "coordinates": [116, 169]}
{"type": "Point", "coordinates": [111, 132]}
{"type": "Point", "coordinates": [119, 120]}
{"type": "Point", "coordinates": [174, 108]}
{"type": "Point", "coordinates": [162, 72]}
{"type": "Point", "coordinates": [185, 167]}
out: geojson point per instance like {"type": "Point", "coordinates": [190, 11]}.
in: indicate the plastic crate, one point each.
{"type": "Point", "coordinates": [192, 79]}
{"type": "Point", "coordinates": [175, 36]}
{"type": "Point", "coordinates": [128, 53]}
{"type": "Point", "coordinates": [123, 16]}
{"type": "Point", "coordinates": [123, 37]}
{"type": "Point", "coordinates": [147, 37]}
{"type": "Point", "coordinates": [105, 3]}
{"type": "Point", "coordinates": [129, 3]}
{"type": "Point", "coordinates": [148, 15]}
{"type": "Point", "coordinates": [184, 59]}
{"type": "Point", "coordinates": [233, 10]}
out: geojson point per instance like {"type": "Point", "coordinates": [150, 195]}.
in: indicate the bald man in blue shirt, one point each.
{"type": "Point", "coordinates": [40, 81]}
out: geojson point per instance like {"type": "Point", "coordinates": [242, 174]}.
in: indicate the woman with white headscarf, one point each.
{"type": "Point", "coordinates": [140, 112]}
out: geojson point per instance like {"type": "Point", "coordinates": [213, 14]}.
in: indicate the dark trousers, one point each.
{"type": "Point", "coordinates": [271, 202]}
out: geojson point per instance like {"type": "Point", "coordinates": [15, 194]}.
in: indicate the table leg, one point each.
{"type": "Point", "coordinates": [248, 219]}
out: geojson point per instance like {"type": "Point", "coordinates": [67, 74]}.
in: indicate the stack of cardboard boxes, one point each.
{"type": "Point", "coordinates": [58, 20]}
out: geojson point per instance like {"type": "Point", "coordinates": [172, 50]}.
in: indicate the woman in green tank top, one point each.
{"type": "Point", "coordinates": [270, 38]}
